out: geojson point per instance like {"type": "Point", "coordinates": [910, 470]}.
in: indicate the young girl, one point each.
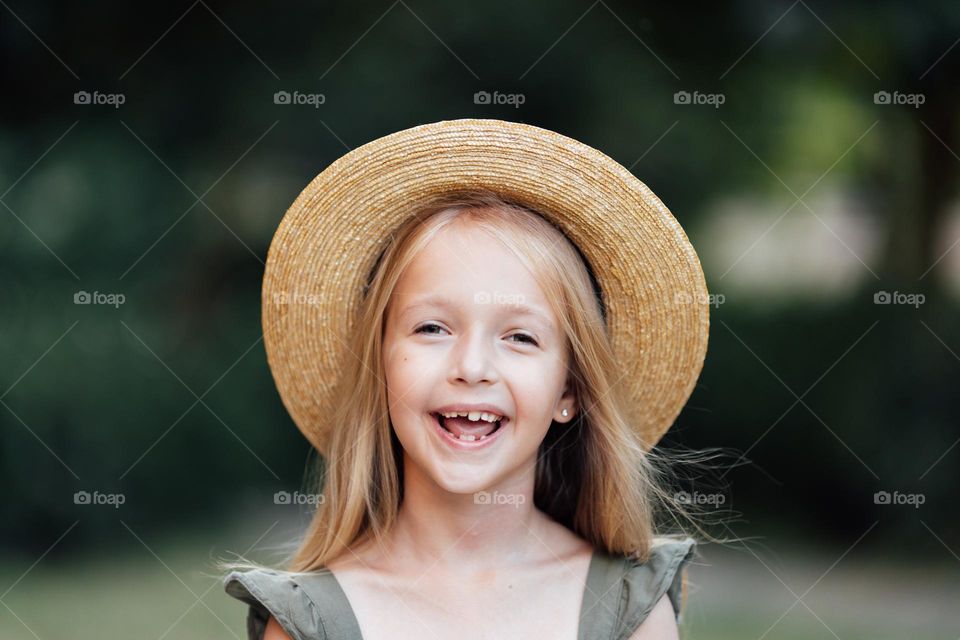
{"type": "Point", "coordinates": [485, 476]}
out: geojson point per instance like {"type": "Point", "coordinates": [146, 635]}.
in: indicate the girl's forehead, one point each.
{"type": "Point", "coordinates": [468, 259]}
{"type": "Point", "coordinates": [470, 273]}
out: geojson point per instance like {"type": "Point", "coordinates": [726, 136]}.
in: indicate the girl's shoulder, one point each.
{"type": "Point", "coordinates": [308, 605]}
{"type": "Point", "coordinates": [622, 590]}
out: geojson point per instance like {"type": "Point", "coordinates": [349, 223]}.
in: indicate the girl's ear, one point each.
{"type": "Point", "coordinates": [567, 407]}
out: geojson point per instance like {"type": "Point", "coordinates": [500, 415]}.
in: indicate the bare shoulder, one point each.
{"type": "Point", "coordinates": [661, 624]}
{"type": "Point", "coordinates": [361, 557]}
{"type": "Point", "coordinates": [274, 631]}
{"type": "Point", "coordinates": [564, 543]}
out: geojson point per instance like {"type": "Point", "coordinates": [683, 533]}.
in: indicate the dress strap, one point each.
{"type": "Point", "coordinates": [308, 606]}
{"type": "Point", "coordinates": [332, 606]}
{"type": "Point", "coordinates": [621, 591]}
{"type": "Point", "coordinates": [599, 609]}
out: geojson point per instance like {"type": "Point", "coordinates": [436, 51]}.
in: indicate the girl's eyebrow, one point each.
{"type": "Point", "coordinates": [513, 309]}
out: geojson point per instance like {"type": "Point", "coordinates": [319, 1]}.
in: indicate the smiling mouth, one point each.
{"type": "Point", "coordinates": [466, 430]}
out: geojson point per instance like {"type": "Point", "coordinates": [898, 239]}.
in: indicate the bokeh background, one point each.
{"type": "Point", "coordinates": [147, 153]}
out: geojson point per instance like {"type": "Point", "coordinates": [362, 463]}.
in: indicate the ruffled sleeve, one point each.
{"type": "Point", "coordinates": [621, 591]}
{"type": "Point", "coordinates": [644, 583]}
{"type": "Point", "coordinates": [273, 593]}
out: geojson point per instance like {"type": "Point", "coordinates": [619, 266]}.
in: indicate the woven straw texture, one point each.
{"type": "Point", "coordinates": [651, 279]}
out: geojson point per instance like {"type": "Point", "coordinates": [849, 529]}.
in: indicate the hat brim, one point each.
{"type": "Point", "coordinates": [652, 283]}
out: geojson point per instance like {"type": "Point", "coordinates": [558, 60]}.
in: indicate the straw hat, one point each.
{"type": "Point", "coordinates": [651, 282]}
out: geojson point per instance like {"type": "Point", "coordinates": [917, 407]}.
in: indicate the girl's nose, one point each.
{"type": "Point", "coordinates": [473, 359]}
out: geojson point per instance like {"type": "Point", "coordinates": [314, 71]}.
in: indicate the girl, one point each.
{"type": "Point", "coordinates": [485, 476]}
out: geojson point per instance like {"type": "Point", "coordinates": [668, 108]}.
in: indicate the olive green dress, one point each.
{"type": "Point", "coordinates": [619, 595]}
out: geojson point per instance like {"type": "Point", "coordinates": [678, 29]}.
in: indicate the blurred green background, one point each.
{"type": "Point", "coordinates": [147, 154]}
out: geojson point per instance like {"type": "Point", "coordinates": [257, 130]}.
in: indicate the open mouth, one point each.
{"type": "Point", "coordinates": [460, 426]}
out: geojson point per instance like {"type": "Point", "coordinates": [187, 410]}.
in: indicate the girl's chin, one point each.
{"type": "Point", "coordinates": [461, 478]}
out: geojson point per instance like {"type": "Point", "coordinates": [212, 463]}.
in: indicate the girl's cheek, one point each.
{"type": "Point", "coordinates": [418, 355]}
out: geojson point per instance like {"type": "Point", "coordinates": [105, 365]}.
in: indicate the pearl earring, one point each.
{"type": "Point", "coordinates": [564, 413]}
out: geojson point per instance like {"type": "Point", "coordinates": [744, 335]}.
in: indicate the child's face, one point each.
{"type": "Point", "coordinates": [476, 350]}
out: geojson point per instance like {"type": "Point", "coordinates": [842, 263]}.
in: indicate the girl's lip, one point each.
{"type": "Point", "coordinates": [466, 445]}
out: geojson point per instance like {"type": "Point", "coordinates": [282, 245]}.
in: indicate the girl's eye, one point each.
{"type": "Point", "coordinates": [429, 325]}
{"type": "Point", "coordinates": [427, 328]}
{"type": "Point", "coordinates": [528, 339]}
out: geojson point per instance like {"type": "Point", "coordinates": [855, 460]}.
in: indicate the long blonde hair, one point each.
{"type": "Point", "coordinates": [594, 475]}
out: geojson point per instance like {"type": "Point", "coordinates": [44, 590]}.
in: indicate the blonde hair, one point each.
{"type": "Point", "coordinates": [594, 474]}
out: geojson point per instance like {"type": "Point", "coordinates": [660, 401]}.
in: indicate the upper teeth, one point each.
{"type": "Point", "coordinates": [473, 415]}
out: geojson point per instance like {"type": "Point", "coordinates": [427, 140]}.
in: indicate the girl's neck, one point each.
{"type": "Point", "coordinates": [470, 532]}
